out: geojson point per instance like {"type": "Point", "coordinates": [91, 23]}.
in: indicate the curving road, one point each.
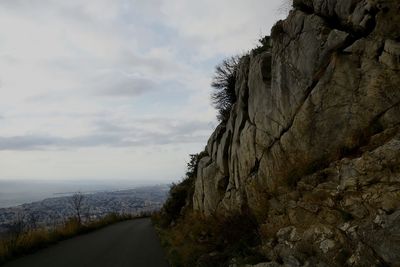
{"type": "Point", "coordinates": [132, 243]}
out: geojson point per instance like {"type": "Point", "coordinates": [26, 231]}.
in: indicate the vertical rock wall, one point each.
{"type": "Point", "coordinates": [312, 145]}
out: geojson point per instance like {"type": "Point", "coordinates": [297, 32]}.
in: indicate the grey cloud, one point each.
{"type": "Point", "coordinates": [112, 135]}
{"type": "Point", "coordinates": [28, 142]}
{"type": "Point", "coordinates": [171, 132]}
{"type": "Point", "coordinates": [153, 65]}
{"type": "Point", "coordinates": [177, 125]}
{"type": "Point", "coordinates": [14, 3]}
{"type": "Point", "coordinates": [158, 66]}
{"type": "Point", "coordinates": [48, 97]}
{"type": "Point", "coordinates": [128, 87]}
{"type": "Point", "coordinates": [116, 83]}
{"type": "Point", "coordinates": [9, 59]}
{"type": "Point", "coordinates": [110, 127]}
{"type": "Point", "coordinates": [192, 126]}
{"type": "Point", "coordinates": [38, 142]}
{"type": "Point", "coordinates": [168, 124]}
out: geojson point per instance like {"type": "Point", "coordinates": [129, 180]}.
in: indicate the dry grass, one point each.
{"type": "Point", "coordinates": [30, 241]}
{"type": "Point", "coordinates": [199, 241]}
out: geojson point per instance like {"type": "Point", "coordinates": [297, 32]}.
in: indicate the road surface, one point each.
{"type": "Point", "coordinates": [131, 243]}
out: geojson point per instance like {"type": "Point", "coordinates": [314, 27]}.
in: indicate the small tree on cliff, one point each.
{"type": "Point", "coordinates": [191, 170]}
{"type": "Point", "coordinates": [224, 81]}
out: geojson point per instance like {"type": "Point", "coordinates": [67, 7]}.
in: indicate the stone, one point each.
{"type": "Point", "coordinates": [326, 245]}
{"type": "Point", "coordinates": [285, 233]}
{"type": "Point", "coordinates": [391, 54]}
{"type": "Point", "coordinates": [385, 239]}
{"type": "Point", "coordinates": [312, 145]}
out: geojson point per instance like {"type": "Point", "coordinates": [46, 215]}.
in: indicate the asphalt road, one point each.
{"type": "Point", "coordinates": [131, 243]}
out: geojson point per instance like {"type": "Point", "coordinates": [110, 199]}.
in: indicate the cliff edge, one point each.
{"type": "Point", "coordinates": [312, 145]}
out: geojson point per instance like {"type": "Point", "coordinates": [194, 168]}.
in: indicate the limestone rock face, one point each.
{"type": "Point", "coordinates": [312, 145]}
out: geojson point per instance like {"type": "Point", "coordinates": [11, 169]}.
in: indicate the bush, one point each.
{"type": "Point", "coordinates": [181, 194]}
{"type": "Point", "coordinates": [212, 241]}
{"type": "Point", "coordinates": [224, 96]}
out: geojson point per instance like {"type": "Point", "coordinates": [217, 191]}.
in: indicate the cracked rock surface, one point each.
{"type": "Point", "coordinates": [312, 145]}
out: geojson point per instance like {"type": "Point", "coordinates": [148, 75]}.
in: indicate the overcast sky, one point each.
{"type": "Point", "coordinates": [114, 89]}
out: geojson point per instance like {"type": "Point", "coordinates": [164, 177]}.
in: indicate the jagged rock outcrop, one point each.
{"type": "Point", "coordinates": [312, 145]}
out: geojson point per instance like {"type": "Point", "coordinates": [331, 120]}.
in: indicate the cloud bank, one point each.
{"type": "Point", "coordinates": [112, 77]}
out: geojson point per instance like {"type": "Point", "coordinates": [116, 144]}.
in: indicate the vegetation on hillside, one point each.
{"type": "Point", "coordinates": [190, 238]}
{"type": "Point", "coordinates": [181, 194]}
{"type": "Point", "coordinates": [196, 240]}
{"type": "Point", "coordinates": [23, 238]}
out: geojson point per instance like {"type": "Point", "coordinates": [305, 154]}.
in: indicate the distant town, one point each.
{"type": "Point", "coordinates": [54, 211]}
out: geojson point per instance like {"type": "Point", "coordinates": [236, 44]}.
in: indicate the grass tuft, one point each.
{"type": "Point", "coordinates": [211, 241]}
{"type": "Point", "coordinates": [13, 246]}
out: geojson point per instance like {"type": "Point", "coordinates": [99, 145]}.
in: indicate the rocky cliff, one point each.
{"type": "Point", "coordinates": [312, 145]}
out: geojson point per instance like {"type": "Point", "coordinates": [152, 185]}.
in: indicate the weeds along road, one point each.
{"type": "Point", "coordinates": [131, 243]}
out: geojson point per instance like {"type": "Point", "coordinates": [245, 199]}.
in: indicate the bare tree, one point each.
{"type": "Point", "coordinates": [77, 204]}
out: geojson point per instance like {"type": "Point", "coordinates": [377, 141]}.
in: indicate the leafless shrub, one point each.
{"type": "Point", "coordinates": [224, 81]}
{"type": "Point", "coordinates": [77, 202]}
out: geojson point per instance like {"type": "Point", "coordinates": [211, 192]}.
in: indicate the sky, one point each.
{"type": "Point", "coordinates": [114, 89]}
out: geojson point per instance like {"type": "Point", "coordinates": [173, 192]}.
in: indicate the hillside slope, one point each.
{"type": "Point", "coordinates": [312, 145]}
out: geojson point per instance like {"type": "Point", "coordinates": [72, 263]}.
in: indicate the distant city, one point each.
{"type": "Point", "coordinates": [18, 192]}
{"type": "Point", "coordinates": [52, 211]}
